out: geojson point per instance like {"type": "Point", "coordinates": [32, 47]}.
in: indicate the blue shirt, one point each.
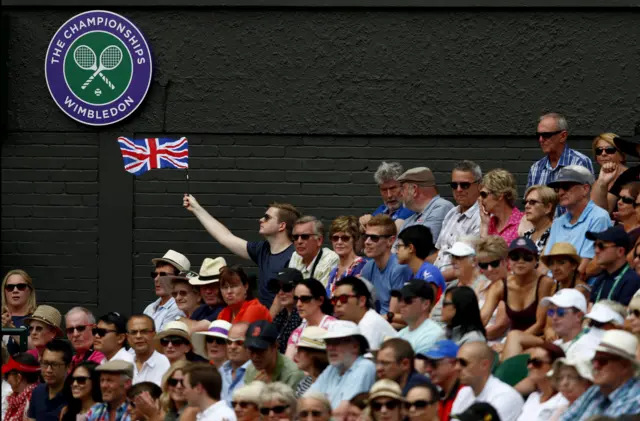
{"type": "Point", "coordinates": [229, 384]}
{"type": "Point", "coordinates": [41, 408]}
{"type": "Point", "coordinates": [206, 312]}
{"type": "Point", "coordinates": [593, 218]}
{"type": "Point", "coordinates": [622, 401]}
{"type": "Point", "coordinates": [163, 314]}
{"type": "Point", "coordinates": [100, 412]}
{"type": "Point", "coordinates": [431, 274]}
{"type": "Point", "coordinates": [625, 288]}
{"type": "Point", "coordinates": [392, 277]}
{"type": "Point", "coordinates": [424, 337]}
{"type": "Point", "coordinates": [342, 387]}
{"type": "Point", "coordinates": [431, 216]}
{"type": "Point", "coordinates": [268, 266]}
{"type": "Point", "coordinates": [400, 213]}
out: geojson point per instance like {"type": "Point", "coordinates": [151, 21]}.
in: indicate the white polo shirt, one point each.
{"type": "Point", "coordinates": [124, 355]}
{"type": "Point", "coordinates": [219, 411]}
{"type": "Point", "coordinates": [504, 398]}
{"type": "Point", "coordinates": [375, 328]}
{"type": "Point", "coordinates": [152, 370]}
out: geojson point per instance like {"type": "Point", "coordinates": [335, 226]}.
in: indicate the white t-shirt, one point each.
{"type": "Point", "coordinates": [504, 398]}
{"type": "Point", "coordinates": [124, 355]}
{"type": "Point", "coordinates": [6, 391]}
{"type": "Point", "coordinates": [584, 347]}
{"type": "Point", "coordinates": [152, 370]}
{"type": "Point", "coordinates": [219, 411]}
{"type": "Point", "coordinates": [533, 410]}
{"type": "Point", "coordinates": [375, 328]}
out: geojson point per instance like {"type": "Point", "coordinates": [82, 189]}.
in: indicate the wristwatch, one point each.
{"type": "Point", "coordinates": [390, 316]}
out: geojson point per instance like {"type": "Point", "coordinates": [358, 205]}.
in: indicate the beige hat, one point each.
{"type": "Point", "coordinates": [175, 328]}
{"type": "Point", "coordinates": [385, 388]}
{"type": "Point", "coordinates": [311, 338]}
{"type": "Point", "coordinates": [47, 315]}
{"type": "Point", "coordinates": [562, 249]}
{"type": "Point", "coordinates": [116, 366]}
{"type": "Point", "coordinates": [419, 175]}
{"type": "Point", "coordinates": [217, 328]}
{"type": "Point", "coordinates": [175, 259]}
{"type": "Point", "coordinates": [583, 367]}
{"type": "Point", "coordinates": [209, 271]}
{"type": "Point", "coordinates": [620, 343]}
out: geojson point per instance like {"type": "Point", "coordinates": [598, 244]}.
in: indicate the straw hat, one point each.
{"type": "Point", "coordinates": [385, 388]}
{"type": "Point", "coordinates": [47, 315]}
{"type": "Point", "coordinates": [312, 338]}
{"type": "Point", "coordinates": [209, 271]}
{"type": "Point", "coordinates": [175, 328]}
{"type": "Point", "coordinates": [175, 259]}
{"type": "Point", "coordinates": [620, 343]}
{"type": "Point", "coordinates": [582, 365]}
{"type": "Point", "coordinates": [217, 328]}
{"type": "Point", "coordinates": [562, 249]}
{"type": "Point", "coordinates": [344, 329]}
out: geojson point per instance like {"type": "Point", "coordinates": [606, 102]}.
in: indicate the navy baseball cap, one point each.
{"type": "Point", "coordinates": [261, 335]}
{"type": "Point", "coordinates": [442, 349]}
{"type": "Point", "coordinates": [525, 244]}
{"type": "Point", "coordinates": [417, 288]}
{"type": "Point", "coordinates": [479, 411]}
{"type": "Point", "coordinates": [616, 235]}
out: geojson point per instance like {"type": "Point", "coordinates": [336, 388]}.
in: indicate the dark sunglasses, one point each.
{"type": "Point", "coordinates": [484, 194]}
{"type": "Point", "coordinates": [531, 202]}
{"type": "Point", "coordinates": [407, 300]}
{"type": "Point", "coordinates": [239, 342]}
{"type": "Point", "coordinates": [635, 205]}
{"type": "Point", "coordinates": [447, 303]}
{"type": "Point", "coordinates": [217, 340]}
{"type": "Point", "coordinates": [306, 414]}
{"type": "Point", "coordinates": [419, 404]}
{"type": "Point", "coordinates": [343, 299]}
{"type": "Point", "coordinates": [174, 382]}
{"type": "Point", "coordinates": [634, 312]}
{"type": "Point", "coordinates": [536, 362]}
{"type": "Point", "coordinates": [19, 287]}
{"type": "Point", "coordinates": [304, 237]}
{"type": "Point", "coordinates": [605, 359]}
{"type": "Point", "coordinates": [176, 294]}
{"type": "Point", "coordinates": [494, 264]}
{"type": "Point", "coordinates": [100, 332]}
{"type": "Point", "coordinates": [547, 135]}
{"type": "Point", "coordinates": [390, 405]}
{"type": "Point", "coordinates": [560, 312]}
{"type": "Point", "coordinates": [597, 324]}
{"type": "Point", "coordinates": [375, 237]}
{"type": "Point", "coordinates": [343, 238]}
{"type": "Point", "coordinates": [464, 185]}
{"type": "Point", "coordinates": [266, 217]}
{"type": "Point", "coordinates": [174, 340]}
{"type": "Point", "coordinates": [516, 257]}
{"type": "Point", "coordinates": [287, 286]}
{"type": "Point", "coordinates": [278, 409]}
{"type": "Point", "coordinates": [564, 186]}
{"type": "Point", "coordinates": [37, 329]}
{"type": "Point", "coordinates": [80, 329]}
{"type": "Point", "coordinates": [81, 380]}
{"type": "Point", "coordinates": [305, 299]}
{"type": "Point", "coordinates": [462, 362]}
{"type": "Point", "coordinates": [627, 200]}
{"type": "Point", "coordinates": [155, 274]}
{"type": "Point", "coordinates": [242, 404]}
{"type": "Point", "coordinates": [610, 150]}
{"type": "Point", "coordinates": [602, 246]}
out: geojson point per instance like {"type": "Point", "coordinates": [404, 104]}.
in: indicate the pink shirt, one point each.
{"type": "Point", "coordinates": [95, 357]}
{"type": "Point", "coordinates": [295, 335]}
{"type": "Point", "coordinates": [510, 230]}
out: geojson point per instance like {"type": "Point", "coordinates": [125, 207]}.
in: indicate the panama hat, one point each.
{"type": "Point", "coordinates": [620, 343]}
{"type": "Point", "coordinates": [47, 315]}
{"type": "Point", "coordinates": [217, 328]}
{"type": "Point", "coordinates": [344, 329]}
{"type": "Point", "coordinates": [312, 338]}
{"type": "Point", "coordinates": [385, 388]}
{"type": "Point", "coordinates": [562, 249]}
{"type": "Point", "coordinates": [582, 365]}
{"type": "Point", "coordinates": [175, 259]}
{"type": "Point", "coordinates": [174, 328]}
{"type": "Point", "coordinates": [209, 271]}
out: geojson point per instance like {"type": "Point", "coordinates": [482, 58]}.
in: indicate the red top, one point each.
{"type": "Point", "coordinates": [251, 311]}
{"type": "Point", "coordinates": [445, 405]}
{"type": "Point", "coordinates": [510, 230]}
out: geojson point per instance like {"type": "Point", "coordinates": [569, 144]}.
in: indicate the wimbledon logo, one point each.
{"type": "Point", "coordinates": [98, 68]}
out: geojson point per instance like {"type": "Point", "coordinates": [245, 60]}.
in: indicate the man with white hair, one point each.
{"type": "Point", "coordinates": [80, 322]}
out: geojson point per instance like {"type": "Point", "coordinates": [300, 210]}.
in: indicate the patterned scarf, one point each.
{"type": "Point", "coordinates": [16, 404]}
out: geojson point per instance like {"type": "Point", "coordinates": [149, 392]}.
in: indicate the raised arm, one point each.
{"type": "Point", "coordinates": [236, 245]}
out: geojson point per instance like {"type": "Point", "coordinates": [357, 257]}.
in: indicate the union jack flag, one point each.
{"type": "Point", "coordinates": [142, 155]}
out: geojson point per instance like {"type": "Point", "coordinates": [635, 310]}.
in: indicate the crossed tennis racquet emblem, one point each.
{"type": "Point", "coordinates": [85, 58]}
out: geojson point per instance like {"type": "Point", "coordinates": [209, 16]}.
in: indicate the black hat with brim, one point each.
{"type": "Point", "coordinates": [628, 145]}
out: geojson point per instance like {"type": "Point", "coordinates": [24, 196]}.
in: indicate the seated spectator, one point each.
{"type": "Point", "coordinates": [115, 381]}
{"type": "Point", "coordinates": [267, 364]}
{"type": "Point", "coordinates": [278, 399]}
{"type": "Point", "coordinates": [461, 315]}
{"type": "Point", "coordinates": [310, 258]}
{"type": "Point", "coordinates": [440, 365]}
{"type": "Point", "coordinates": [386, 401]}
{"type": "Point", "coordinates": [236, 292]}
{"type": "Point", "coordinates": [311, 356]}
{"type": "Point", "coordinates": [479, 411]}
{"type": "Point", "coordinates": [563, 261]}
{"type": "Point", "coordinates": [110, 337]}
{"type": "Point", "coordinates": [234, 369]}
{"type": "Point", "coordinates": [81, 391]}
{"type": "Point", "coordinates": [47, 399]}
{"type": "Point", "coordinates": [284, 310]}
{"type": "Point", "coordinates": [6, 387]}
{"type": "Point", "coordinates": [383, 270]}
{"type": "Point", "coordinates": [491, 255]}
{"type": "Point", "coordinates": [606, 315]}
{"type": "Point", "coordinates": [386, 178]}
{"type": "Point", "coordinates": [44, 326]}
{"type": "Point", "coordinates": [572, 377]}
{"type": "Point", "coordinates": [202, 386]}
{"type": "Point", "coordinates": [172, 400]}
{"type": "Point", "coordinates": [617, 282]}
{"type": "Point", "coordinates": [546, 399]}
{"type": "Point", "coordinates": [352, 301]}
{"type": "Point", "coordinates": [246, 400]}
{"type": "Point", "coordinates": [628, 146]}
{"type": "Point", "coordinates": [175, 344]}
{"type": "Point", "coordinates": [633, 316]}
{"type": "Point", "coordinates": [612, 163]}
{"type": "Point", "coordinates": [498, 214]}
{"type": "Point", "coordinates": [165, 309]}
{"type": "Point", "coordinates": [22, 373]}
{"type": "Point", "coordinates": [540, 204]}
{"type": "Point", "coordinates": [187, 296]}
{"type": "Point", "coordinates": [421, 403]}
{"type": "Point", "coordinates": [522, 290]}
{"type": "Point", "coordinates": [626, 215]}
{"type": "Point", "coordinates": [475, 360]}
{"type": "Point", "coordinates": [462, 220]}
{"type": "Point", "coordinates": [616, 386]}
{"type": "Point", "coordinates": [415, 306]}
{"type": "Point", "coordinates": [395, 361]}
{"type": "Point", "coordinates": [144, 402]}
{"type": "Point", "coordinates": [356, 409]}
{"type": "Point", "coordinates": [314, 405]}
{"type": "Point", "coordinates": [149, 364]}
{"type": "Point", "coordinates": [19, 301]}
{"type": "Point", "coordinates": [345, 236]}
{"type": "Point", "coordinates": [315, 308]}
{"type": "Point", "coordinates": [208, 284]}
{"type": "Point", "coordinates": [212, 344]}
{"type": "Point", "coordinates": [349, 372]}
{"type": "Point", "coordinates": [80, 323]}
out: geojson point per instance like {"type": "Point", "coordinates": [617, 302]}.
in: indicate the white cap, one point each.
{"type": "Point", "coordinates": [567, 298]}
{"type": "Point", "coordinates": [460, 249]}
{"type": "Point", "coordinates": [604, 314]}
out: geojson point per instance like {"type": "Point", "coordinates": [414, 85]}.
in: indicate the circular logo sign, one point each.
{"type": "Point", "coordinates": [98, 68]}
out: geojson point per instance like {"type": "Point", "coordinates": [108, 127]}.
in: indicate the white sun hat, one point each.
{"type": "Point", "coordinates": [209, 271]}
{"type": "Point", "coordinates": [175, 259]}
{"type": "Point", "coordinates": [217, 328]}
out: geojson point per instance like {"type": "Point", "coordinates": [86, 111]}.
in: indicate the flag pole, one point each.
{"type": "Point", "coordinates": [188, 187]}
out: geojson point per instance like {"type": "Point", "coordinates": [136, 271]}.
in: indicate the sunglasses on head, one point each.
{"type": "Point", "coordinates": [375, 237]}
{"type": "Point", "coordinates": [343, 238]}
{"type": "Point", "coordinates": [635, 312]}
{"type": "Point", "coordinates": [278, 409]}
{"type": "Point", "coordinates": [81, 380]}
{"type": "Point", "coordinates": [627, 200]}
{"type": "Point", "coordinates": [485, 265]}
{"type": "Point", "coordinates": [174, 382]}
{"type": "Point", "coordinates": [548, 135]}
{"type": "Point", "coordinates": [242, 404]}
{"type": "Point", "coordinates": [464, 185]}
{"type": "Point", "coordinates": [610, 150]}
{"type": "Point", "coordinates": [305, 299]}
{"type": "Point", "coordinates": [343, 299]}
{"type": "Point", "coordinates": [100, 332]}
{"type": "Point", "coordinates": [536, 362]}
{"type": "Point", "coordinates": [419, 404]}
{"type": "Point", "coordinates": [239, 342]}
{"type": "Point", "coordinates": [312, 413]}
{"type": "Point", "coordinates": [19, 287]}
{"type": "Point", "coordinates": [304, 237]}
{"type": "Point", "coordinates": [564, 186]}
{"type": "Point", "coordinates": [174, 340]}
{"type": "Point", "coordinates": [516, 257]}
{"type": "Point", "coordinates": [215, 339]}
{"type": "Point", "coordinates": [155, 274]}
{"type": "Point", "coordinates": [560, 312]}
{"type": "Point", "coordinates": [80, 329]}
{"type": "Point", "coordinates": [390, 405]}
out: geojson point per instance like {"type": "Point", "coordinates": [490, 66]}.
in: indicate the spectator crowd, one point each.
{"type": "Point", "coordinates": [484, 309]}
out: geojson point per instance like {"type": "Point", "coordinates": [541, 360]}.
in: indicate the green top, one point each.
{"type": "Point", "coordinates": [286, 372]}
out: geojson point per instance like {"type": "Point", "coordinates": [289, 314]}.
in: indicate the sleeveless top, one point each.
{"type": "Point", "coordinates": [525, 318]}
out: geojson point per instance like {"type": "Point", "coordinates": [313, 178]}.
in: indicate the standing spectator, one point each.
{"type": "Point", "coordinates": [165, 309]}
{"type": "Point", "coordinates": [208, 284]}
{"type": "Point", "coordinates": [440, 365]}
{"type": "Point", "coordinates": [385, 401]}
{"type": "Point", "coordinates": [212, 344]}
{"type": "Point", "coordinates": [149, 364]}
{"type": "Point", "coordinates": [395, 361]}
{"type": "Point", "coordinates": [22, 373]}
{"type": "Point", "coordinates": [110, 336]}
{"type": "Point", "coordinates": [475, 360]}
{"type": "Point", "coordinates": [420, 194]}
{"type": "Point", "coordinates": [278, 402]}
{"type": "Point", "coordinates": [552, 134]}
{"type": "Point", "coordinates": [236, 292]}
{"type": "Point", "coordinates": [573, 377]}
{"type": "Point", "coordinates": [310, 258]}
{"type": "Point", "coordinates": [81, 391]}
{"type": "Point", "coordinates": [461, 314]}
{"type": "Point", "coordinates": [422, 403]}
{"type": "Point", "coordinates": [345, 236]}
{"type": "Point", "coordinates": [383, 270]}
{"type": "Point", "coordinates": [202, 386]}
{"type": "Point", "coordinates": [47, 400]}
{"type": "Point", "coordinates": [174, 342]}
{"type": "Point", "coordinates": [246, 399]}
{"type": "Point", "coordinates": [314, 405]}
{"type": "Point", "coordinates": [498, 212]}
{"type": "Point", "coordinates": [386, 178]}
{"type": "Point", "coordinates": [415, 306]}
{"type": "Point", "coordinates": [172, 399]}
{"type": "Point", "coordinates": [464, 219]}
{"type": "Point", "coordinates": [311, 356]}
{"type": "Point", "coordinates": [612, 163]}
{"type": "Point", "coordinates": [540, 204]}
{"type": "Point", "coordinates": [80, 323]}
{"type": "Point", "coordinates": [286, 317]}
{"type": "Point", "coordinates": [44, 326]}
{"type": "Point", "coordinates": [19, 301]}
{"type": "Point", "coordinates": [115, 381]}
{"type": "Point", "coordinates": [234, 369]}
{"type": "Point", "coordinates": [271, 255]}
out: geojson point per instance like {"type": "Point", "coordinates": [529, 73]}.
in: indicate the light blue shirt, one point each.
{"type": "Point", "coordinates": [392, 277]}
{"type": "Point", "coordinates": [424, 337]}
{"type": "Point", "coordinates": [163, 314]}
{"type": "Point", "coordinates": [357, 379]}
{"type": "Point", "coordinates": [431, 216]}
{"type": "Point", "coordinates": [229, 384]}
{"type": "Point", "coordinates": [593, 218]}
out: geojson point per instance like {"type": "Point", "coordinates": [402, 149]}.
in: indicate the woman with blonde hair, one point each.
{"type": "Point", "coordinates": [491, 253]}
{"type": "Point", "coordinates": [344, 235]}
{"type": "Point", "coordinates": [246, 400]}
{"type": "Point", "coordinates": [612, 162]}
{"type": "Point", "coordinates": [498, 214]}
{"type": "Point", "coordinates": [628, 213]}
{"type": "Point", "coordinates": [540, 204]}
{"type": "Point", "coordinates": [633, 320]}
{"type": "Point", "coordinates": [173, 400]}
{"type": "Point", "coordinates": [278, 402]}
{"type": "Point", "coordinates": [18, 302]}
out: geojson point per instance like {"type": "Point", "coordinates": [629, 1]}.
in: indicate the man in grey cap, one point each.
{"type": "Point", "coordinates": [420, 194]}
{"type": "Point", "coordinates": [573, 185]}
{"type": "Point", "coordinates": [115, 380]}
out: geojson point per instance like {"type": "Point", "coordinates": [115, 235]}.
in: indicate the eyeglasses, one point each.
{"type": "Point", "coordinates": [419, 404]}
{"type": "Point", "coordinates": [13, 287]}
{"type": "Point", "coordinates": [140, 332]}
{"type": "Point", "coordinates": [560, 312]}
{"type": "Point", "coordinates": [484, 194]}
{"type": "Point", "coordinates": [173, 340]}
{"type": "Point", "coordinates": [100, 332]}
{"type": "Point", "coordinates": [462, 362]}
{"type": "Point", "coordinates": [266, 217]}
{"type": "Point", "coordinates": [79, 329]}
{"type": "Point", "coordinates": [446, 303]}
{"type": "Point", "coordinates": [531, 202]}
{"type": "Point", "coordinates": [494, 264]}
{"type": "Point", "coordinates": [305, 299]}
{"type": "Point", "coordinates": [407, 300]}
{"type": "Point", "coordinates": [216, 339]}
{"type": "Point", "coordinates": [174, 382]}
{"type": "Point", "coordinates": [627, 200]}
{"type": "Point", "coordinates": [132, 403]}
{"type": "Point", "coordinates": [610, 150]}
{"type": "Point", "coordinates": [307, 414]}
{"type": "Point", "coordinates": [603, 360]}
{"type": "Point", "coordinates": [278, 409]}
{"type": "Point", "coordinates": [37, 329]}
{"type": "Point", "coordinates": [242, 404]}
{"type": "Point", "coordinates": [516, 257]}
{"type": "Point", "coordinates": [239, 342]}
{"type": "Point", "coordinates": [81, 380]}
{"type": "Point", "coordinates": [155, 274]}
{"type": "Point", "coordinates": [597, 324]}
{"type": "Point", "coordinates": [343, 238]}
{"type": "Point", "coordinates": [286, 286]}
{"type": "Point", "coordinates": [564, 186]}
{"type": "Point", "coordinates": [635, 312]}
{"type": "Point", "coordinates": [390, 405]}
{"type": "Point", "coordinates": [602, 246]}
{"type": "Point", "coordinates": [52, 364]}
{"type": "Point", "coordinates": [464, 185]}
{"type": "Point", "coordinates": [375, 237]}
{"type": "Point", "coordinates": [182, 293]}
{"type": "Point", "coordinates": [342, 299]}
{"type": "Point", "coordinates": [635, 205]}
{"type": "Point", "coordinates": [548, 135]}
{"type": "Point", "coordinates": [304, 237]}
{"type": "Point", "coordinates": [536, 362]}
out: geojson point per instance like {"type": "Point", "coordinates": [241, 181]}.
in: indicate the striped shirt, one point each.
{"type": "Point", "coordinates": [622, 401]}
{"type": "Point", "coordinates": [456, 224]}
